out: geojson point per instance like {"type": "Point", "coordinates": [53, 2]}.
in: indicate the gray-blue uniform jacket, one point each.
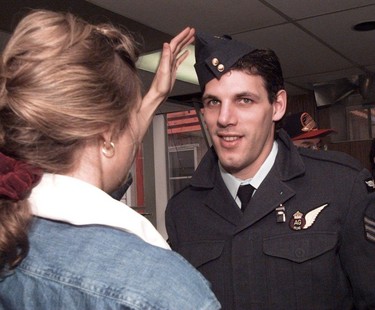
{"type": "Point", "coordinates": [305, 241]}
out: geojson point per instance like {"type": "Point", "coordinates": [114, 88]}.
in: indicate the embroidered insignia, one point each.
{"type": "Point", "coordinates": [299, 221]}
{"type": "Point", "coordinates": [369, 228]}
{"type": "Point", "coordinates": [308, 123]}
{"type": "Point", "coordinates": [370, 185]}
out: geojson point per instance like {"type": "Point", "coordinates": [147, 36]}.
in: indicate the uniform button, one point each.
{"type": "Point", "coordinates": [215, 62]}
{"type": "Point", "coordinates": [220, 68]}
{"type": "Point", "coordinates": [299, 252]}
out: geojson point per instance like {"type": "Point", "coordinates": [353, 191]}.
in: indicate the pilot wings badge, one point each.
{"type": "Point", "coordinates": [300, 221]}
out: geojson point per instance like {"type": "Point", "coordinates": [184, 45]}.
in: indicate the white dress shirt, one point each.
{"type": "Point", "coordinates": [234, 183]}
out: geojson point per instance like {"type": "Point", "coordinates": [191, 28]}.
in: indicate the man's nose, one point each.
{"type": "Point", "coordinates": [227, 115]}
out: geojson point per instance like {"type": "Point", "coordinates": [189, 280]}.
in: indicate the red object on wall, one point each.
{"type": "Point", "coordinates": [186, 121]}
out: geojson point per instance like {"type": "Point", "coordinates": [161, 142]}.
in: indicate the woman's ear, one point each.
{"type": "Point", "coordinates": [106, 144]}
{"type": "Point", "coordinates": [279, 105]}
{"type": "Point", "coordinates": [106, 136]}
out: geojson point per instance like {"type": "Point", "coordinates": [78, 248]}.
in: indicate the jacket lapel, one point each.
{"type": "Point", "coordinates": [221, 202]}
{"type": "Point", "coordinates": [218, 199]}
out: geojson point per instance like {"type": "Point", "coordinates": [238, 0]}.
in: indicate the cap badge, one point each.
{"type": "Point", "coordinates": [300, 221]}
{"type": "Point", "coordinates": [307, 122]}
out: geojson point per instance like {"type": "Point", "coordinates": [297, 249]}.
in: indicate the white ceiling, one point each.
{"type": "Point", "coordinates": [313, 38]}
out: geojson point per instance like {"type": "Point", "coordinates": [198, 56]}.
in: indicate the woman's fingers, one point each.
{"type": "Point", "coordinates": [182, 40]}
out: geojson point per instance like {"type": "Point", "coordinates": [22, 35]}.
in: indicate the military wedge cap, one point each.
{"type": "Point", "coordinates": [215, 55]}
{"type": "Point", "coordinates": [301, 125]}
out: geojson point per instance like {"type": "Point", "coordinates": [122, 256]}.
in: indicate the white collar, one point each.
{"type": "Point", "coordinates": [67, 199]}
{"type": "Point", "coordinates": [233, 183]}
{"type": "Point", "coordinates": [266, 166]}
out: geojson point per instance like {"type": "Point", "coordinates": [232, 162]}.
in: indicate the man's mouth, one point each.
{"type": "Point", "coordinates": [230, 138]}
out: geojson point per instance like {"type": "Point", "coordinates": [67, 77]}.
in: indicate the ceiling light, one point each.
{"type": "Point", "coordinates": [149, 62]}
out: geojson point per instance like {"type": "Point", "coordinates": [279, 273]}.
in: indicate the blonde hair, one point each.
{"type": "Point", "coordinates": [63, 82]}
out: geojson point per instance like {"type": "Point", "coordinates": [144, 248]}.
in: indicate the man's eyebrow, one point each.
{"type": "Point", "coordinates": [247, 94]}
{"type": "Point", "coordinates": [208, 96]}
{"type": "Point", "coordinates": [238, 95]}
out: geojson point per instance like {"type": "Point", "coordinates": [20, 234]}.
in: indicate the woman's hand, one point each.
{"type": "Point", "coordinates": [165, 75]}
{"type": "Point", "coordinates": [170, 61]}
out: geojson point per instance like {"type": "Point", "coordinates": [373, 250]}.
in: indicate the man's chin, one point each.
{"type": "Point", "coordinates": [230, 165]}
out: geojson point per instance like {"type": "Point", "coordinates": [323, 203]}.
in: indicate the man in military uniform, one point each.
{"type": "Point", "coordinates": [306, 239]}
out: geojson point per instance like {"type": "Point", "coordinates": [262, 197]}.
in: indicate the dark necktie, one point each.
{"type": "Point", "coordinates": [244, 194]}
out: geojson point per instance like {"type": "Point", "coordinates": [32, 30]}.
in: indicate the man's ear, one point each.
{"type": "Point", "coordinates": [279, 105]}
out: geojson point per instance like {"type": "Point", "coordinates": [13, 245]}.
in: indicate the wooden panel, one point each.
{"type": "Point", "coordinates": [357, 149]}
{"type": "Point", "coordinates": [302, 103]}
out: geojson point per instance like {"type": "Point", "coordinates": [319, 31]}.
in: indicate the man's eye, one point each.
{"type": "Point", "coordinates": [246, 100]}
{"type": "Point", "coordinates": [212, 102]}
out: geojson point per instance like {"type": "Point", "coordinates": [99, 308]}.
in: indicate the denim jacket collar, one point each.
{"type": "Point", "coordinates": [67, 199]}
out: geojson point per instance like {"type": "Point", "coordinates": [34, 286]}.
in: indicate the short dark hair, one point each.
{"type": "Point", "coordinates": [265, 63]}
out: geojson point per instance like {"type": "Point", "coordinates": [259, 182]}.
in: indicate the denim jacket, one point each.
{"type": "Point", "coordinates": [98, 267]}
{"type": "Point", "coordinates": [89, 251]}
